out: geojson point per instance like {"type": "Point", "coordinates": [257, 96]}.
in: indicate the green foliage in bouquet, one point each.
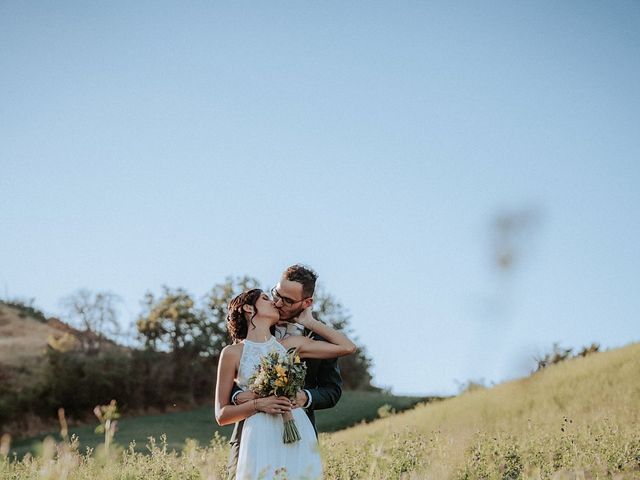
{"type": "Point", "coordinates": [283, 376]}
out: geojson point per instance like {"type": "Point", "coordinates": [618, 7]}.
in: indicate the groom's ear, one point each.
{"type": "Point", "coordinates": [307, 302]}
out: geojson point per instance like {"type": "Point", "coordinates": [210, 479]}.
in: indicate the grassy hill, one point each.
{"type": "Point", "coordinates": [579, 418]}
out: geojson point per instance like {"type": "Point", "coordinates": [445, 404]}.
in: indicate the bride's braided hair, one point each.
{"type": "Point", "coordinates": [237, 324]}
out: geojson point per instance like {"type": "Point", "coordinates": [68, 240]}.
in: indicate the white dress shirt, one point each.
{"type": "Point", "coordinates": [285, 329]}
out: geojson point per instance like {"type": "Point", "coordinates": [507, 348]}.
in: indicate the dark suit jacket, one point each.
{"type": "Point", "coordinates": [323, 381]}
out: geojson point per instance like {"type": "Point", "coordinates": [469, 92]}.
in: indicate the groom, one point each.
{"type": "Point", "coordinates": [323, 384]}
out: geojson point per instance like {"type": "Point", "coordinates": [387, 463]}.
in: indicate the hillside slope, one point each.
{"type": "Point", "coordinates": [582, 415]}
{"type": "Point", "coordinates": [22, 338]}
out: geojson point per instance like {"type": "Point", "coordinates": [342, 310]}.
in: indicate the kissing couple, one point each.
{"type": "Point", "coordinates": [259, 324]}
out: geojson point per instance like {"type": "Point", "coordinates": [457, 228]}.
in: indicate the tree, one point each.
{"type": "Point", "coordinates": [214, 333]}
{"type": "Point", "coordinates": [170, 322]}
{"type": "Point", "coordinates": [93, 313]}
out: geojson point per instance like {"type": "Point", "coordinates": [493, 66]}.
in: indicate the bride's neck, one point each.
{"type": "Point", "coordinates": [261, 333]}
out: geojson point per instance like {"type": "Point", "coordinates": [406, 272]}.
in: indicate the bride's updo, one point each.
{"type": "Point", "coordinates": [237, 324]}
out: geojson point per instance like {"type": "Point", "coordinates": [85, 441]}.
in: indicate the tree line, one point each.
{"type": "Point", "coordinates": [177, 342]}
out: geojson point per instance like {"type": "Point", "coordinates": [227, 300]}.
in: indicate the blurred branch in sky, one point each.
{"type": "Point", "coordinates": [512, 232]}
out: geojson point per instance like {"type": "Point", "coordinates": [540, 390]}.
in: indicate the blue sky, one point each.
{"type": "Point", "coordinates": [178, 143]}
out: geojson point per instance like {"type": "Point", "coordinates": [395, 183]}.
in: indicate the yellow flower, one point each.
{"type": "Point", "coordinates": [281, 370]}
{"type": "Point", "coordinates": [296, 359]}
{"type": "Point", "coordinates": [281, 382]}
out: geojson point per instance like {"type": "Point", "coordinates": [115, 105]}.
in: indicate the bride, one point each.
{"type": "Point", "coordinates": [263, 454]}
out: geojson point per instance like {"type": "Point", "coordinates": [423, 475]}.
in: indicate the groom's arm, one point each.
{"type": "Point", "coordinates": [234, 393]}
{"type": "Point", "coordinates": [239, 396]}
{"type": "Point", "coordinates": [329, 385]}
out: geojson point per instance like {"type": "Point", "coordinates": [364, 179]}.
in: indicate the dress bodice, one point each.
{"type": "Point", "coordinates": [261, 451]}
{"type": "Point", "coordinates": [252, 352]}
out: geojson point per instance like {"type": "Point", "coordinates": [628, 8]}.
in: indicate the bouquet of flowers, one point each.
{"type": "Point", "coordinates": [281, 375]}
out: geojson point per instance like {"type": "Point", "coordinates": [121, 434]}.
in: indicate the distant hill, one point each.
{"type": "Point", "coordinates": [24, 336]}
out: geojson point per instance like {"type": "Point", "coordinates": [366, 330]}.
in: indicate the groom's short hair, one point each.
{"type": "Point", "coordinates": [303, 275]}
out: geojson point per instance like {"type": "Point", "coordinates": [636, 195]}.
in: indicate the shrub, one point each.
{"type": "Point", "coordinates": [559, 354]}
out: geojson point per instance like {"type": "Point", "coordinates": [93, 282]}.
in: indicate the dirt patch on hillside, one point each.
{"type": "Point", "coordinates": [22, 339]}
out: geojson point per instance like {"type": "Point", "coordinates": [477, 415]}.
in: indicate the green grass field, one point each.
{"type": "Point", "coordinates": [579, 419]}
{"type": "Point", "coordinates": [200, 425]}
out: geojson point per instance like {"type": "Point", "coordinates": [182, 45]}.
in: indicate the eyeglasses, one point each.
{"type": "Point", "coordinates": [285, 300]}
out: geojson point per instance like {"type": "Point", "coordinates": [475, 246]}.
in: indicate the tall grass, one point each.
{"type": "Point", "coordinates": [64, 461]}
{"type": "Point", "coordinates": [199, 424]}
{"type": "Point", "coordinates": [578, 418]}
{"type": "Point", "coordinates": [575, 420]}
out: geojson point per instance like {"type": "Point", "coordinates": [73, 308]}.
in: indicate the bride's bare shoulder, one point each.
{"type": "Point", "coordinates": [232, 352]}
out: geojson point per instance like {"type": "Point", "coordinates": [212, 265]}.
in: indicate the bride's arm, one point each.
{"type": "Point", "coordinates": [337, 344]}
{"type": "Point", "coordinates": [226, 412]}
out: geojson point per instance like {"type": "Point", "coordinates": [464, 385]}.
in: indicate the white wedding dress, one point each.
{"type": "Point", "coordinates": [263, 454]}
